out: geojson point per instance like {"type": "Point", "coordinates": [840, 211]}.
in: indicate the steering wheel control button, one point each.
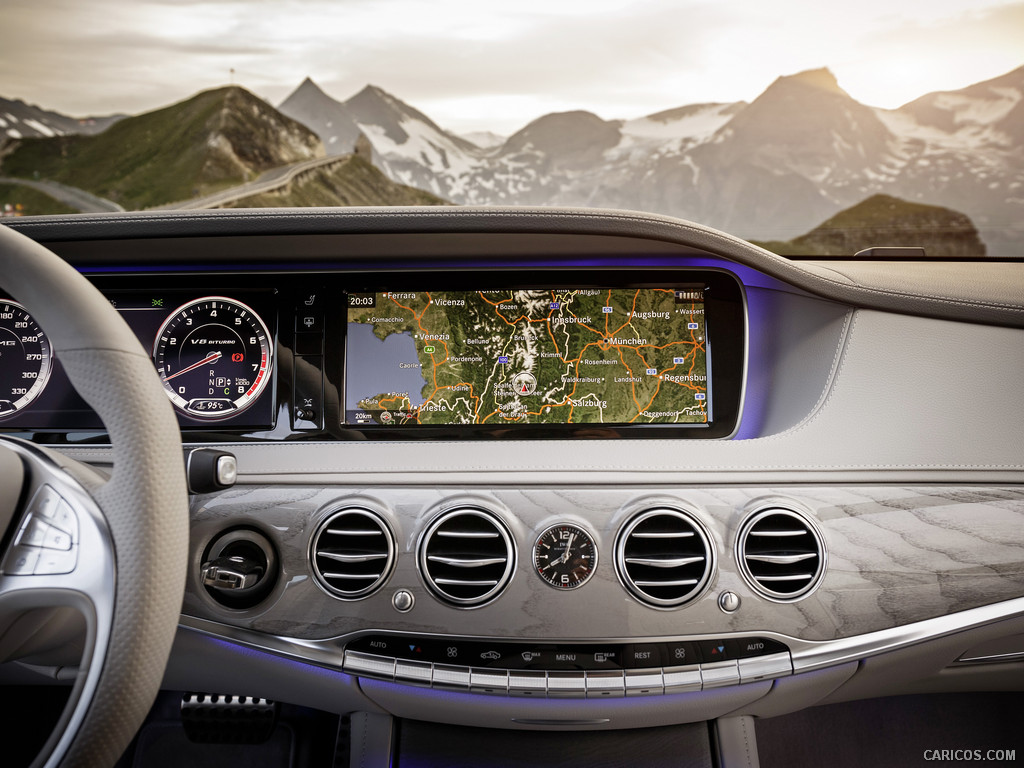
{"type": "Point", "coordinates": [21, 561]}
{"type": "Point", "coordinates": [34, 533]}
{"type": "Point", "coordinates": [55, 538]}
{"type": "Point", "coordinates": [729, 602]}
{"type": "Point", "coordinates": [719, 674]}
{"type": "Point", "coordinates": [66, 520]}
{"type": "Point", "coordinates": [53, 561]}
{"type": "Point", "coordinates": [765, 667]}
{"type": "Point", "coordinates": [44, 505]}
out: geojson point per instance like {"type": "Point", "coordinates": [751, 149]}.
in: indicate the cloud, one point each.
{"type": "Point", "coordinates": [488, 65]}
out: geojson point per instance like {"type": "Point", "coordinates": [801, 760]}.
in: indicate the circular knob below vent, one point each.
{"type": "Point", "coordinates": [781, 554]}
{"type": "Point", "coordinates": [352, 553]}
{"type": "Point", "coordinates": [467, 557]}
{"type": "Point", "coordinates": [664, 557]}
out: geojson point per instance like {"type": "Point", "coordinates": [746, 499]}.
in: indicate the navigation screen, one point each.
{"type": "Point", "coordinates": [538, 356]}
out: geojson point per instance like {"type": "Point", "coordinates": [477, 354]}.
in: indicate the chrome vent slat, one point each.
{"type": "Point", "coordinates": [352, 554]}
{"type": "Point", "coordinates": [781, 554]}
{"type": "Point", "coordinates": [665, 562]}
{"type": "Point", "coordinates": [466, 557]}
{"type": "Point", "coordinates": [782, 559]}
{"type": "Point", "coordinates": [664, 557]}
{"type": "Point", "coordinates": [353, 532]}
{"type": "Point", "coordinates": [343, 558]}
{"type": "Point", "coordinates": [467, 562]}
{"type": "Point", "coordinates": [352, 576]}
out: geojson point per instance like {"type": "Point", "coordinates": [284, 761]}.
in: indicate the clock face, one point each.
{"type": "Point", "coordinates": [565, 556]}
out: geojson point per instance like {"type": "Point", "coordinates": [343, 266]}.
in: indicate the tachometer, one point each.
{"type": "Point", "coordinates": [25, 358]}
{"type": "Point", "coordinates": [214, 356]}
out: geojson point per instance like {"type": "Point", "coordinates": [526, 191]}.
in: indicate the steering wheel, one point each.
{"type": "Point", "coordinates": [121, 562]}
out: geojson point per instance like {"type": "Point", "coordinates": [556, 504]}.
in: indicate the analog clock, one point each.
{"type": "Point", "coordinates": [565, 556]}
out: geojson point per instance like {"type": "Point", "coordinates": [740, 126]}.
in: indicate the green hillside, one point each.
{"type": "Point", "coordinates": [882, 220]}
{"type": "Point", "coordinates": [32, 202]}
{"type": "Point", "coordinates": [353, 181]}
{"type": "Point", "coordinates": [216, 139]}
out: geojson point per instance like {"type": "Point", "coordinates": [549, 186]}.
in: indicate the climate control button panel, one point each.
{"type": "Point", "coordinates": [572, 670]}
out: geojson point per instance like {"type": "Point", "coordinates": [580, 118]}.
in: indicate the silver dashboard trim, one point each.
{"type": "Point", "coordinates": [807, 655]}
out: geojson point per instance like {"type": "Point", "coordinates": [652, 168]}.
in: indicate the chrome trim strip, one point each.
{"type": "Point", "coordinates": [992, 658]}
{"type": "Point", "coordinates": [807, 655]}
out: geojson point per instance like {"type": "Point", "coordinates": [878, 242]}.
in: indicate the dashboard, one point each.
{"type": "Point", "coordinates": [565, 470]}
{"type": "Point", "coordinates": [399, 356]}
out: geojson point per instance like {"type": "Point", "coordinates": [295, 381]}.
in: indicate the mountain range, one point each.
{"type": "Point", "coordinates": [20, 120]}
{"type": "Point", "coordinates": [769, 170]}
{"type": "Point", "coordinates": [796, 155]}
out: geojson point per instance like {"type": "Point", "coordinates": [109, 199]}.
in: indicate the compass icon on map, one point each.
{"type": "Point", "coordinates": [524, 383]}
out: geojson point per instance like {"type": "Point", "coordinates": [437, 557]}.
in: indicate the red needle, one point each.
{"type": "Point", "coordinates": [212, 357]}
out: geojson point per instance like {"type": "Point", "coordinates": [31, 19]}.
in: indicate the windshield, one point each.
{"type": "Point", "coordinates": [813, 129]}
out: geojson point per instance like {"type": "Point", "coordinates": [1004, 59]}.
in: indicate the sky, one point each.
{"type": "Point", "coordinates": [478, 65]}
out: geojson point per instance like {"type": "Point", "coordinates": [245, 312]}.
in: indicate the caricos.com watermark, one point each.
{"type": "Point", "coordinates": [965, 755]}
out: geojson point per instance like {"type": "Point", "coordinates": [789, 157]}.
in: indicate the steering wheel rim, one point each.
{"type": "Point", "coordinates": [136, 521]}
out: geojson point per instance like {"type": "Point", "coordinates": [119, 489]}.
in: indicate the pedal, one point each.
{"type": "Point", "coordinates": [218, 719]}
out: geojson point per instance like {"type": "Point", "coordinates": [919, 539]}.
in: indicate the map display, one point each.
{"type": "Point", "coordinates": [537, 356]}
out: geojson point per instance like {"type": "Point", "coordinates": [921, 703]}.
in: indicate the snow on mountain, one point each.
{"type": "Point", "coordinates": [20, 120]}
{"type": "Point", "coordinates": [797, 154]}
{"type": "Point", "coordinates": [327, 118]}
{"type": "Point", "coordinates": [963, 149]}
{"type": "Point", "coordinates": [407, 145]}
{"type": "Point", "coordinates": [695, 122]}
{"type": "Point", "coordinates": [771, 169]}
{"type": "Point", "coordinates": [484, 139]}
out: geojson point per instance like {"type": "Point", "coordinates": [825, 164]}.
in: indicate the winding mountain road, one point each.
{"type": "Point", "coordinates": [72, 196]}
{"type": "Point", "coordinates": [269, 181]}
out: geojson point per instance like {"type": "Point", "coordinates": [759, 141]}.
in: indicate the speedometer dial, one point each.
{"type": "Point", "coordinates": [25, 358]}
{"type": "Point", "coordinates": [214, 357]}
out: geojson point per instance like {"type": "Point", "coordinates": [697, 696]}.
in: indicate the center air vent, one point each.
{"type": "Point", "coordinates": [664, 557]}
{"type": "Point", "coordinates": [352, 553]}
{"type": "Point", "coordinates": [781, 554]}
{"type": "Point", "coordinates": [467, 557]}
